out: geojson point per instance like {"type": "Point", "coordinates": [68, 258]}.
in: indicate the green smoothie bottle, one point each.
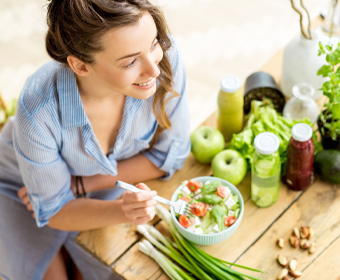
{"type": "Point", "coordinates": [265, 170]}
{"type": "Point", "coordinates": [230, 107]}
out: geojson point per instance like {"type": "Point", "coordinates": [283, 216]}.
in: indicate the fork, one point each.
{"type": "Point", "coordinates": [180, 206]}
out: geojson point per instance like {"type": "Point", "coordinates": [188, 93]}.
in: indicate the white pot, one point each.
{"type": "Point", "coordinates": [301, 64]}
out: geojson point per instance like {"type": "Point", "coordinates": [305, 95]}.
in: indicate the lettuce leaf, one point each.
{"type": "Point", "coordinates": [263, 118]}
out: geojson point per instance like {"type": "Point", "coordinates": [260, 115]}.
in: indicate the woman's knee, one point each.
{"type": "Point", "coordinates": [58, 268]}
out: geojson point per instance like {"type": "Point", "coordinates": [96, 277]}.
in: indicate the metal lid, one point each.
{"type": "Point", "coordinates": [267, 143]}
{"type": "Point", "coordinates": [230, 84]}
{"type": "Point", "coordinates": [302, 132]}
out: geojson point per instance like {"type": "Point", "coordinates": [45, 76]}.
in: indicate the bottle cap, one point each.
{"type": "Point", "coordinates": [302, 132]}
{"type": "Point", "coordinates": [266, 143]}
{"type": "Point", "coordinates": [230, 84]}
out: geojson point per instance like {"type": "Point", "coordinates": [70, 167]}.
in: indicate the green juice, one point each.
{"type": "Point", "coordinates": [230, 108]}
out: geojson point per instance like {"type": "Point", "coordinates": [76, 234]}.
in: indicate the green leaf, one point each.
{"type": "Point", "coordinates": [325, 70]}
{"type": "Point", "coordinates": [336, 110]}
{"type": "Point", "coordinates": [329, 47]}
{"type": "Point", "coordinates": [327, 86]}
{"type": "Point", "coordinates": [337, 98]}
{"type": "Point", "coordinates": [321, 46]}
{"type": "Point", "coordinates": [327, 125]}
{"type": "Point", "coordinates": [332, 58]}
{"type": "Point", "coordinates": [337, 124]}
{"type": "Point", "coordinates": [218, 215]}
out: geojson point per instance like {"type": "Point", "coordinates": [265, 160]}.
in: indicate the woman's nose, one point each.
{"type": "Point", "coordinates": [151, 67]}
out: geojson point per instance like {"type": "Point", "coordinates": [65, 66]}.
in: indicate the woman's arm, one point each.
{"type": "Point", "coordinates": [85, 214]}
{"type": "Point", "coordinates": [133, 170]}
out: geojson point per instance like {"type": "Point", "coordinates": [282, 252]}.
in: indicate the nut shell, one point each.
{"type": "Point", "coordinates": [304, 244]}
{"type": "Point", "coordinates": [295, 273]}
{"type": "Point", "coordinates": [280, 242]}
{"type": "Point", "coordinates": [312, 248]}
{"type": "Point", "coordinates": [310, 233]}
{"type": "Point", "coordinates": [303, 232]}
{"type": "Point", "coordinates": [293, 264]}
{"type": "Point", "coordinates": [294, 241]}
{"type": "Point", "coordinates": [282, 260]}
{"type": "Point", "coordinates": [296, 232]}
{"type": "Point", "coordinates": [283, 273]}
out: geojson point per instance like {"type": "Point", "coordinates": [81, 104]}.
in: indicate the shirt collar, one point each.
{"type": "Point", "coordinates": [71, 108]}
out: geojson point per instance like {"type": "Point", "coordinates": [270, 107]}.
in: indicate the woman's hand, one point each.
{"type": "Point", "coordinates": [22, 193]}
{"type": "Point", "coordinates": [139, 208]}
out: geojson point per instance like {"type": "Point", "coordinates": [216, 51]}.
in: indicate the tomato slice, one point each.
{"type": "Point", "coordinates": [194, 185]}
{"type": "Point", "coordinates": [184, 221]}
{"type": "Point", "coordinates": [229, 220]}
{"type": "Point", "coordinates": [197, 208]}
{"type": "Point", "coordinates": [185, 198]}
{"type": "Point", "coordinates": [221, 191]}
{"type": "Point", "coordinates": [206, 206]}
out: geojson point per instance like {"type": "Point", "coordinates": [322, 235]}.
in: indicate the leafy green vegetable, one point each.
{"type": "Point", "coordinates": [206, 221]}
{"type": "Point", "coordinates": [210, 199]}
{"type": "Point", "coordinates": [263, 118]}
{"type": "Point", "coordinates": [210, 187]}
{"type": "Point", "coordinates": [218, 214]}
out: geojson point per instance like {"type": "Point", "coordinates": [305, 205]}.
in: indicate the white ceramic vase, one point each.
{"type": "Point", "coordinates": [301, 64]}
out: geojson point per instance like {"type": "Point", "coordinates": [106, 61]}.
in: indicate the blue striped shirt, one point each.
{"type": "Point", "coordinates": [51, 137]}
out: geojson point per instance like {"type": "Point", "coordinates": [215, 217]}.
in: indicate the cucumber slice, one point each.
{"type": "Point", "coordinates": [264, 201]}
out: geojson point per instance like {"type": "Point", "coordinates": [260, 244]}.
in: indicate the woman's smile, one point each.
{"type": "Point", "coordinates": [146, 85]}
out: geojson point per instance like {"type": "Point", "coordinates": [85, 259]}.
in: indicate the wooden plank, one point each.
{"type": "Point", "coordinates": [106, 244]}
{"type": "Point", "coordinates": [326, 266]}
{"type": "Point", "coordinates": [319, 208]}
{"type": "Point", "coordinates": [136, 265]}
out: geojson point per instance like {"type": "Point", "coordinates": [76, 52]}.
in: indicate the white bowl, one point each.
{"type": "Point", "coordinates": [214, 238]}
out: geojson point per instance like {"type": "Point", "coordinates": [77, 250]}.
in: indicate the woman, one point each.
{"type": "Point", "coordinates": [111, 106]}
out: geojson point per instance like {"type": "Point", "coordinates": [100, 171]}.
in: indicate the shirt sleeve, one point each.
{"type": "Point", "coordinates": [44, 172]}
{"type": "Point", "coordinates": [173, 146]}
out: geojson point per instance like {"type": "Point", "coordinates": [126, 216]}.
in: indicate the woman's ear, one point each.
{"type": "Point", "coordinates": [80, 68]}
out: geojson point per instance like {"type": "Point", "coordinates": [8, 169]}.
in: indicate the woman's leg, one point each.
{"type": "Point", "coordinates": [26, 251]}
{"type": "Point", "coordinates": [57, 269]}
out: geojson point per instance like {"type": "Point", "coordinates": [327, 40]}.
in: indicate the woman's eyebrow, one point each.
{"type": "Point", "coordinates": [134, 54]}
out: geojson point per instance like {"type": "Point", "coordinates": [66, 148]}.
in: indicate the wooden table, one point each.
{"type": "Point", "coordinates": [254, 243]}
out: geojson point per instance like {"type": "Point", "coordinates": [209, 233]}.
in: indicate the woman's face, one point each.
{"type": "Point", "coordinates": [128, 63]}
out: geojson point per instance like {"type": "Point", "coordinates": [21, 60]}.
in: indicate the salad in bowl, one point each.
{"type": "Point", "coordinates": [216, 210]}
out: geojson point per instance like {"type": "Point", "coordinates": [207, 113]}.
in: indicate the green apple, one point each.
{"type": "Point", "coordinates": [206, 142]}
{"type": "Point", "coordinates": [229, 165]}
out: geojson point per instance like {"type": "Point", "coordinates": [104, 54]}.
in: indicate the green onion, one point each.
{"type": "Point", "coordinates": [171, 251]}
{"type": "Point", "coordinates": [147, 248]}
{"type": "Point", "coordinates": [206, 264]}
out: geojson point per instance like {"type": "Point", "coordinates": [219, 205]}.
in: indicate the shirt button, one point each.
{"type": "Point", "coordinates": [176, 144]}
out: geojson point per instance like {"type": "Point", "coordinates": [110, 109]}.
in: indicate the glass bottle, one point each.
{"type": "Point", "coordinates": [329, 32]}
{"type": "Point", "coordinates": [302, 105]}
{"type": "Point", "coordinates": [266, 170]}
{"type": "Point", "coordinates": [300, 158]}
{"type": "Point", "coordinates": [230, 107]}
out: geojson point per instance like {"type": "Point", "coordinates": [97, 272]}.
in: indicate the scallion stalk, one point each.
{"type": "Point", "coordinates": [201, 260]}
{"type": "Point", "coordinates": [147, 248]}
{"type": "Point", "coordinates": [174, 254]}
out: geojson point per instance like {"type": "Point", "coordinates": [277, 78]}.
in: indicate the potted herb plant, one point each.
{"type": "Point", "coordinates": [329, 119]}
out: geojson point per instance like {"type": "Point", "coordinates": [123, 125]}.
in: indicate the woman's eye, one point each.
{"type": "Point", "coordinates": [129, 65]}
{"type": "Point", "coordinates": [155, 44]}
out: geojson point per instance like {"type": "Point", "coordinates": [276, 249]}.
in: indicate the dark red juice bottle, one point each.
{"type": "Point", "coordinates": [300, 158]}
